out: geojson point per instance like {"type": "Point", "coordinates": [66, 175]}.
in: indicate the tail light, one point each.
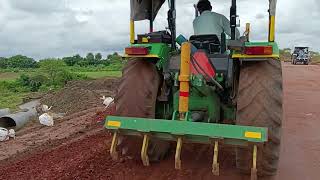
{"type": "Point", "coordinates": [259, 50]}
{"type": "Point", "coordinates": [136, 51]}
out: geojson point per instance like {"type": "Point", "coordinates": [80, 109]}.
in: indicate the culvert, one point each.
{"type": "Point", "coordinates": [17, 120]}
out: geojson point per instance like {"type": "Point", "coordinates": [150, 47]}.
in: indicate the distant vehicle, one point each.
{"type": "Point", "coordinates": [301, 55]}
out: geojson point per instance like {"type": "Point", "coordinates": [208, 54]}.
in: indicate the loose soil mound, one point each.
{"type": "Point", "coordinates": [80, 95]}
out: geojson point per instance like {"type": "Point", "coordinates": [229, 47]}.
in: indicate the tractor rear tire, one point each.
{"type": "Point", "coordinates": [260, 104]}
{"type": "Point", "coordinates": [136, 97]}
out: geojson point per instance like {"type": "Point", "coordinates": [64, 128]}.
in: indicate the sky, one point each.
{"type": "Point", "coordinates": [57, 28]}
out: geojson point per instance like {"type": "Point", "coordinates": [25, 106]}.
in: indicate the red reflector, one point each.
{"type": "Point", "coordinates": [259, 50]}
{"type": "Point", "coordinates": [184, 94]}
{"type": "Point", "coordinates": [137, 51]}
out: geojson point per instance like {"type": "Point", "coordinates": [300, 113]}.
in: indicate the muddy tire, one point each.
{"type": "Point", "coordinates": [260, 104]}
{"type": "Point", "coordinates": [136, 97]}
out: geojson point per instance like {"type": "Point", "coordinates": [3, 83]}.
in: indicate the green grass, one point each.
{"type": "Point", "coordinates": [11, 94]}
{"type": "Point", "coordinates": [5, 76]}
{"type": "Point", "coordinates": [101, 74]}
{"type": "Point", "coordinates": [11, 100]}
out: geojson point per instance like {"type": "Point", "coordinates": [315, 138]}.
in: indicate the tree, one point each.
{"type": "Point", "coordinates": [285, 54]}
{"type": "Point", "coordinates": [3, 62]}
{"type": "Point", "coordinates": [20, 61]}
{"type": "Point", "coordinates": [70, 61]}
{"type": "Point", "coordinates": [90, 59]}
{"type": "Point", "coordinates": [98, 57]}
{"type": "Point", "coordinates": [52, 67]}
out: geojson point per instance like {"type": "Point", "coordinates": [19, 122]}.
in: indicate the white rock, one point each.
{"type": "Point", "coordinates": [45, 108]}
{"type": "Point", "coordinates": [4, 134]}
{"type": "Point", "coordinates": [107, 101]}
{"type": "Point", "coordinates": [46, 119]}
{"type": "Point", "coordinates": [12, 133]}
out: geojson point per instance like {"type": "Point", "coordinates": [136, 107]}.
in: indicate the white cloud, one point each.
{"type": "Point", "coordinates": [56, 28]}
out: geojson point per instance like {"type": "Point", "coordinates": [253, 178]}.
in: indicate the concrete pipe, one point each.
{"type": "Point", "coordinates": [4, 112]}
{"type": "Point", "coordinates": [17, 120]}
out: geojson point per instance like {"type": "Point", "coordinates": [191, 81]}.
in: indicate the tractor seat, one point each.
{"type": "Point", "coordinates": [210, 43]}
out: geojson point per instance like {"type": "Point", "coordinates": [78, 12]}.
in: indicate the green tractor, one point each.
{"type": "Point", "coordinates": [209, 90]}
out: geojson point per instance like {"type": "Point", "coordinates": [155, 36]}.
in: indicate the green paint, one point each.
{"type": "Point", "coordinates": [202, 99]}
{"type": "Point", "coordinates": [191, 131]}
{"type": "Point", "coordinates": [161, 50]}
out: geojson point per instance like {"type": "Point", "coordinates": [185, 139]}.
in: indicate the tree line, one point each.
{"type": "Point", "coordinates": [20, 61]}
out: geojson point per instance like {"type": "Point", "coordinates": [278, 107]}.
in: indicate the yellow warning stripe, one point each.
{"type": "Point", "coordinates": [114, 124]}
{"type": "Point", "coordinates": [253, 135]}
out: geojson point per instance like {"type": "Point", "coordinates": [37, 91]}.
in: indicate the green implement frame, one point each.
{"type": "Point", "coordinates": [195, 132]}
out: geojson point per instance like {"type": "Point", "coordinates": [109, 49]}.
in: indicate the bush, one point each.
{"type": "Point", "coordinates": [33, 83]}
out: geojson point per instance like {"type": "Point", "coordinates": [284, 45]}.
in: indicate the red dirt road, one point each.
{"type": "Point", "coordinates": [86, 156]}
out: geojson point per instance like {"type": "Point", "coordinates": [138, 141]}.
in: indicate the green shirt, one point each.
{"type": "Point", "coordinates": [212, 23]}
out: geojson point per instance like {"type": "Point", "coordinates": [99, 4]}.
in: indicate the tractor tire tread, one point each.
{"type": "Point", "coordinates": [260, 104]}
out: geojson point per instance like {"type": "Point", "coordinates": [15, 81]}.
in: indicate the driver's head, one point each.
{"type": "Point", "coordinates": [204, 5]}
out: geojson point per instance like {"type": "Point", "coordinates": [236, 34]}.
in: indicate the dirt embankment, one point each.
{"type": "Point", "coordinates": [86, 156]}
{"type": "Point", "coordinates": [81, 102]}
{"type": "Point", "coordinates": [80, 95]}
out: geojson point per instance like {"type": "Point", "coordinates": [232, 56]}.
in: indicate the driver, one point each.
{"type": "Point", "coordinates": [211, 22]}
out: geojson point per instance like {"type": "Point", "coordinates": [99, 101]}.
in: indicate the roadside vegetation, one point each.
{"type": "Point", "coordinates": [21, 76]}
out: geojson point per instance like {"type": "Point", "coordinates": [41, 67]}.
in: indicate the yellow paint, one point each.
{"type": "Point", "coordinates": [254, 175]}
{"type": "Point", "coordinates": [142, 56]}
{"type": "Point", "coordinates": [113, 148]}
{"type": "Point", "coordinates": [272, 28]}
{"type": "Point", "coordinates": [114, 123]}
{"type": "Point", "coordinates": [184, 76]}
{"type": "Point", "coordinates": [145, 40]}
{"type": "Point", "coordinates": [247, 32]}
{"type": "Point", "coordinates": [177, 156]}
{"type": "Point", "coordinates": [245, 56]}
{"type": "Point", "coordinates": [254, 157]}
{"type": "Point", "coordinates": [215, 164]}
{"type": "Point", "coordinates": [253, 135]}
{"type": "Point", "coordinates": [144, 151]}
{"type": "Point", "coordinates": [132, 33]}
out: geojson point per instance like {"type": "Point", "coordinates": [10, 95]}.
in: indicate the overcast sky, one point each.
{"type": "Point", "coordinates": [56, 28]}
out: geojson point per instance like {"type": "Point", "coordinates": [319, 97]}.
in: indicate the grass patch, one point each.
{"type": "Point", "coordinates": [11, 100]}
{"type": "Point", "coordinates": [5, 76]}
{"type": "Point", "coordinates": [11, 94]}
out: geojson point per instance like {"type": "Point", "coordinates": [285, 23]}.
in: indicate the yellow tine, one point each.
{"type": "Point", "coordinates": [113, 148]}
{"type": "Point", "coordinates": [254, 175]}
{"type": "Point", "coordinates": [178, 154]}
{"type": "Point", "coordinates": [215, 164]}
{"type": "Point", "coordinates": [144, 150]}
